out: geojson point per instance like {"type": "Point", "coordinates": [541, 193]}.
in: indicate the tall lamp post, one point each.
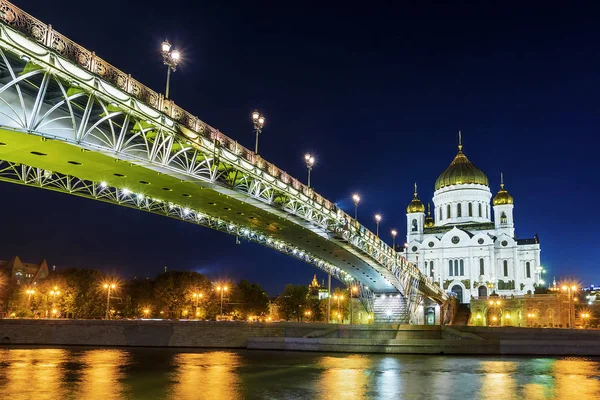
{"type": "Point", "coordinates": [310, 161]}
{"type": "Point", "coordinates": [338, 298]}
{"type": "Point", "coordinates": [570, 290]}
{"type": "Point", "coordinates": [353, 289]}
{"type": "Point", "coordinates": [108, 287]}
{"type": "Point", "coordinates": [377, 221]}
{"type": "Point", "coordinates": [259, 121]}
{"type": "Point", "coordinates": [170, 59]}
{"type": "Point", "coordinates": [29, 292]}
{"type": "Point", "coordinates": [197, 296]}
{"type": "Point", "coordinates": [55, 292]}
{"type": "Point", "coordinates": [356, 199]}
{"type": "Point", "coordinates": [394, 233]}
{"type": "Point", "coordinates": [221, 289]}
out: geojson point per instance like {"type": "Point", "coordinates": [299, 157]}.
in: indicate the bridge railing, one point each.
{"type": "Point", "coordinates": [86, 59]}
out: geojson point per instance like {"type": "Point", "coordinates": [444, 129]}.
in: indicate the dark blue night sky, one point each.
{"type": "Point", "coordinates": [378, 93]}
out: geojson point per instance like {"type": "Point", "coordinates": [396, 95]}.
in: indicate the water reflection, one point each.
{"type": "Point", "coordinates": [206, 375]}
{"type": "Point", "coordinates": [101, 374]}
{"type": "Point", "coordinates": [344, 377]}
{"type": "Point", "coordinates": [85, 373]}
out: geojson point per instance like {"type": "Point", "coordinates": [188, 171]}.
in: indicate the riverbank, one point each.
{"type": "Point", "coordinates": [396, 339]}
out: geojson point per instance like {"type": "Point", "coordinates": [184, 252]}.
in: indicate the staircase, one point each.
{"type": "Point", "coordinates": [390, 309]}
{"type": "Point", "coordinates": [462, 315]}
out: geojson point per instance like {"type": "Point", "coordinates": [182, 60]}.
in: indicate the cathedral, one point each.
{"type": "Point", "coordinates": [466, 246]}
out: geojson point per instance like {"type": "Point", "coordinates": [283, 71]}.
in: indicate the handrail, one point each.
{"type": "Point", "coordinates": [44, 34]}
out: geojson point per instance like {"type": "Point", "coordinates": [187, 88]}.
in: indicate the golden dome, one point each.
{"type": "Point", "coordinates": [502, 197]}
{"type": "Point", "coordinates": [415, 205]}
{"type": "Point", "coordinates": [429, 222]}
{"type": "Point", "coordinates": [461, 171]}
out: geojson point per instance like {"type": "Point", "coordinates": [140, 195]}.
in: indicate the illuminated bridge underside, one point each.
{"type": "Point", "coordinates": [66, 129]}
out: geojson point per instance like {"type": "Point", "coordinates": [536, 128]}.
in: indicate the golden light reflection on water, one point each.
{"type": "Point", "coordinates": [211, 375]}
{"type": "Point", "coordinates": [576, 380]}
{"type": "Point", "coordinates": [102, 375]}
{"type": "Point", "coordinates": [33, 372]}
{"type": "Point", "coordinates": [344, 377]}
{"type": "Point", "coordinates": [498, 380]}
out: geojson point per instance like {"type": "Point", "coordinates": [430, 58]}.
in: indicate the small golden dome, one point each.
{"type": "Point", "coordinates": [415, 205]}
{"type": "Point", "coordinates": [429, 222]}
{"type": "Point", "coordinates": [502, 197]}
{"type": "Point", "coordinates": [461, 171]}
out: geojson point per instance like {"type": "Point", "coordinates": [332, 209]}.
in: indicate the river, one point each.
{"type": "Point", "coordinates": [150, 373]}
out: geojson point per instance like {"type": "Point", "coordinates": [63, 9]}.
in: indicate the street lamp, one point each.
{"type": "Point", "coordinates": [377, 221]}
{"type": "Point", "coordinates": [310, 161]}
{"type": "Point", "coordinates": [197, 296]}
{"type": "Point", "coordinates": [307, 314]}
{"type": "Point", "coordinates": [221, 289]}
{"type": "Point", "coordinates": [338, 298]}
{"type": "Point", "coordinates": [353, 289]}
{"type": "Point", "coordinates": [570, 290]}
{"type": "Point", "coordinates": [394, 233]}
{"type": "Point", "coordinates": [146, 312]}
{"type": "Point", "coordinates": [108, 287]}
{"type": "Point", "coordinates": [170, 58]}
{"type": "Point", "coordinates": [258, 121]}
{"type": "Point", "coordinates": [356, 199]}
{"type": "Point", "coordinates": [55, 292]}
{"type": "Point", "coordinates": [29, 292]}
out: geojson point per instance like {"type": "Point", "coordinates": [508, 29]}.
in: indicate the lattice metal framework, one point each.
{"type": "Point", "coordinates": [56, 89]}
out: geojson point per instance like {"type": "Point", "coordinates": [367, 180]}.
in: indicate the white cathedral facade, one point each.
{"type": "Point", "coordinates": [463, 248]}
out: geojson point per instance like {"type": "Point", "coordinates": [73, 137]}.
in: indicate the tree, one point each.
{"type": "Point", "coordinates": [293, 301]}
{"type": "Point", "coordinates": [174, 293]}
{"type": "Point", "coordinates": [250, 300]}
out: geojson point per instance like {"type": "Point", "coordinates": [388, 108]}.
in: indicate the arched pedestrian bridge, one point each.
{"type": "Point", "coordinates": [73, 123]}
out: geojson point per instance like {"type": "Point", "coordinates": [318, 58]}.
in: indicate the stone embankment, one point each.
{"type": "Point", "coordinates": [399, 339]}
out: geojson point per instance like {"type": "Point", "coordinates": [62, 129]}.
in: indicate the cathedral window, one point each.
{"type": "Point", "coordinates": [480, 215]}
{"type": "Point", "coordinates": [441, 216]}
{"type": "Point", "coordinates": [481, 267]}
{"type": "Point", "coordinates": [448, 212]}
{"type": "Point", "coordinates": [487, 212]}
{"type": "Point", "coordinates": [455, 267]}
{"type": "Point", "coordinates": [431, 270]}
{"type": "Point", "coordinates": [470, 209]}
{"type": "Point", "coordinates": [505, 268]}
{"type": "Point", "coordinates": [528, 269]}
{"type": "Point", "coordinates": [503, 218]}
{"type": "Point", "coordinates": [450, 273]}
{"type": "Point", "coordinates": [462, 268]}
{"type": "Point", "coordinates": [459, 210]}
{"type": "Point", "coordinates": [414, 225]}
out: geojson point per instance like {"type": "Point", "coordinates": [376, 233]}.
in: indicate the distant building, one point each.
{"type": "Point", "coordinates": [14, 273]}
{"type": "Point", "coordinates": [20, 273]}
{"type": "Point", "coordinates": [316, 291]}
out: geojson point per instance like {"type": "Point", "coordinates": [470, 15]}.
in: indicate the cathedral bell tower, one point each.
{"type": "Point", "coordinates": [415, 219]}
{"type": "Point", "coordinates": [503, 211]}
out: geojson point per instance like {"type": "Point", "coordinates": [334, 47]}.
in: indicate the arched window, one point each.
{"type": "Point", "coordinates": [505, 268]}
{"type": "Point", "coordinates": [459, 210]}
{"type": "Point", "coordinates": [470, 209]}
{"type": "Point", "coordinates": [455, 267]}
{"type": "Point", "coordinates": [481, 267]}
{"type": "Point", "coordinates": [431, 270]}
{"type": "Point", "coordinates": [448, 212]}
{"type": "Point", "coordinates": [441, 216]}
{"type": "Point", "coordinates": [414, 225]}
{"type": "Point", "coordinates": [528, 269]}
{"type": "Point", "coordinates": [462, 268]}
{"type": "Point", "coordinates": [487, 212]}
{"type": "Point", "coordinates": [450, 268]}
{"type": "Point", "coordinates": [480, 215]}
{"type": "Point", "coordinates": [503, 218]}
